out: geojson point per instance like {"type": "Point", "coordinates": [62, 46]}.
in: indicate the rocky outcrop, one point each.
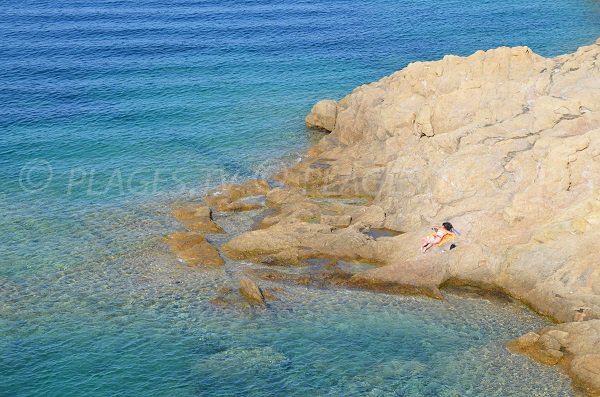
{"type": "Point", "coordinates": [292, 243]}
{"type": "Point", "coordinates": [574, 346]}
{"type": "Point", "coordinates": [193, 249]}
{"type": "Point", "coordinates": [505, 144]}
{"type": "Point", "coordinates": [323, 115]}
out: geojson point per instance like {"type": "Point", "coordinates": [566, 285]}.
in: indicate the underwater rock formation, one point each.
{"type": "Point", "coordinates": [193, 249]}
{"type": "Point", "coordinates": [251, 292]}
{"type": "Point", "coordinates": [196, 218]}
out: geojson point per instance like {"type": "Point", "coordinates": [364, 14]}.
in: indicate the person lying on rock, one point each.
{"type": "Point", "coordinates": [439, 232]}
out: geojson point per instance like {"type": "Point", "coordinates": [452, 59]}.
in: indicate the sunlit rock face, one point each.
{"type": "Point", "coordinates": [504, 144]}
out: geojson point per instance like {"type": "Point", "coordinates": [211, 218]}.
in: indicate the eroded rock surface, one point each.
{"type": "Point", "coordinates": [574, 346]}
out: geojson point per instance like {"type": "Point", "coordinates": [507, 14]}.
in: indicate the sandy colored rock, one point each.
{"type": "Point", "coordinates": [323, 115]}
{"type": "Point", "coordinates": [424, 274]}
{"type": "Point", "coordinates": [196, 218]}
{"type": "Point", "coordinates": [336, 220]}
{"type": "Point", "coordinates": [504, 144]}
{"type": "Point", "coordinates": [230, 197]}
{"type": "Point", "coordinates": [573, 346]}
{"type": "Point", "coordinates": [586, 369]}
{"type": "Point", "coordinates": [292, 242]}
{"type": "Point", "coordinates": [528, 340]}
{"type": "Point", "coordinates": [251, 292]}
{"type": "Point", "coordinates": [194, 249]}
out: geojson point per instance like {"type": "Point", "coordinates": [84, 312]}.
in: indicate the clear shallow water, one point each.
{"type": "Point", "coordinates": [113, 109]}
{"type": "Point", "coordinates": [149, 328]}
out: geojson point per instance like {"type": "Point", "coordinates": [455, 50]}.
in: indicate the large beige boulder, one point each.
{"type": "Point", "coordinates": [505, 144]}
{"type": "Point", "coordinates": [291, 243]}
{"type": "Point", "coordinates": [323, 115]}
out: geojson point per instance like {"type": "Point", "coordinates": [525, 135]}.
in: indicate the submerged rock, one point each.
{"type": "Point", "coordinates": [224, 297]}
{"type": "Point", "coordinates": [230, 197]}
{"type": "Point", "coordinates": [196, 218]}
{"type": "Point", "coordinates": [193, 249]}
{"type": "Point", "coordinates": [251, 292]}
{"type": "Point", "coordinates": [235, 298]}
{"type": "Point", "coordinates": [341, 278]}
{"type": "Point", "coordinates": [259, 361]}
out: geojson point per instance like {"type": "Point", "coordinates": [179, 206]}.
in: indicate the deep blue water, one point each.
{"type": "Point", "coordinates": [111, 110]}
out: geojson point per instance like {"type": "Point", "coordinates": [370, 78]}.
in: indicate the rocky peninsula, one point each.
{"type": "Point", "coordinates": [504, 144]}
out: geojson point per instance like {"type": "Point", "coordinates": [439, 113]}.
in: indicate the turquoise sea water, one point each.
{"type": "Point", "coordinates": [111, 110]}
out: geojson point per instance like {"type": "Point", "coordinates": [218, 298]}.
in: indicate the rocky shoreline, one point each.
{"type": "Point", "coordinates": [505, 144]}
